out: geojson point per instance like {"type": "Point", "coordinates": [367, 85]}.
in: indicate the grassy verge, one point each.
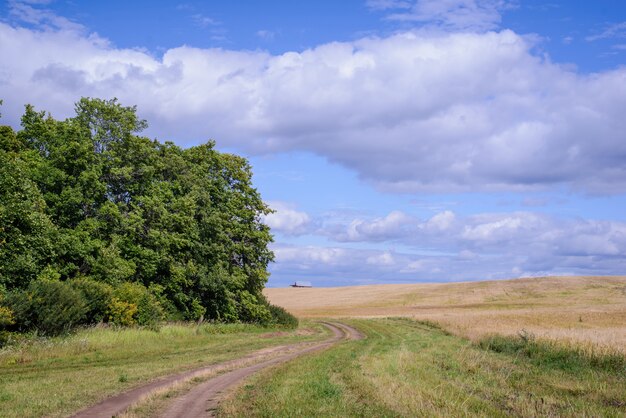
{"type": "Point", "coordinates": [407, 368]}
{"type": "Point", "coordinates": [54, 377]}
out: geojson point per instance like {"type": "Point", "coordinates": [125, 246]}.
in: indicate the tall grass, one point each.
{"type": "Point", "coordinates": [57, 376]}
{"type": "Point", "coordinates": [557, 354]}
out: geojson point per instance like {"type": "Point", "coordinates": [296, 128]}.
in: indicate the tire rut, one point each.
{"type": "Point", "coordinates": [202, 399]}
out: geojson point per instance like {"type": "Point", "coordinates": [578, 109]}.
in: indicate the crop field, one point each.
{"type": "Point", "coordinates": [586, 312]}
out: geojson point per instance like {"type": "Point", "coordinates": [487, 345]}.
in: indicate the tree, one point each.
{"type": "Point", "coordinates": [89, 197]}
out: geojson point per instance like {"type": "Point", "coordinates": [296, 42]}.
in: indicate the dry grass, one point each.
{"type": "Point", "coordinates": [587, 310]}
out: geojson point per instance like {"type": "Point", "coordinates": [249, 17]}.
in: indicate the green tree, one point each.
{"type": "Point", "coordinates": [88, 196]}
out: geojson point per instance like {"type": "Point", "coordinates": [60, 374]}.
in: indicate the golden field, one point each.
{"type": "Point", "coordinates": [587, 310]}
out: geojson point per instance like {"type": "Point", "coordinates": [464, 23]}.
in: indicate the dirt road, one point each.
{"type": "Point", "coordinates": [202, 400]}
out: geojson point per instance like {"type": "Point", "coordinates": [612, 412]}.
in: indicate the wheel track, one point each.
{"type": "Point", "coordinates": [203, 398]}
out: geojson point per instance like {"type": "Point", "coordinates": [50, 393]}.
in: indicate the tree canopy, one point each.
{"type": "Point", "coordinates": [89, 199]}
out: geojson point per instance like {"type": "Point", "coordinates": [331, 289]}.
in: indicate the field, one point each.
{"type": "Point", "coordinates": [526, 348]}
{"type": "Point", "coordinates": [581, 310]}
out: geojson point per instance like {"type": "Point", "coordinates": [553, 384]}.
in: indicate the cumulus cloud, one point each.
{"type": "Point", "coordinates": [487, 245]}
{"type": "Point", "coordinates": [345, 265]}
{"type": "Point", "coordinates": [306, 256]}
{"type": "Point", "coordinates": [287, 220]}
{"type": "Point", "coordinates": [393, 226]}
{"type": "Point", "coordinates": [410, 112]}
{"type": "Point", "coordinates": [523, 232]}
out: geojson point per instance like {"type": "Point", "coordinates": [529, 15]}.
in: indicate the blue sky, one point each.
{"type": "Point", "coordinates": [398, 140]}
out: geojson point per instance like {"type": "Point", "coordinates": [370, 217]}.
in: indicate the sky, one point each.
{"type": "Point", "coordinates": [399, 141]}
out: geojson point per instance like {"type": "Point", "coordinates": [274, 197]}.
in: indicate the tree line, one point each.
{"type": "Point", "coordinates": [100, 224]}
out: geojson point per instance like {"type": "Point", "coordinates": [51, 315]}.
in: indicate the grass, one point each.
{"type": "Point", "coordinates": [58, 376]}
{"type": "Point", "coordinates": [526, 347]}
{"type": "Point", "coordinates": [557, 355]}
{"type": "Point", "coordinates": [578, 310]}
{"type": "Point", "coordinates": [408, 368]}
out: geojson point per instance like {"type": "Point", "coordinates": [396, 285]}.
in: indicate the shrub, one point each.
{"type": "Point", "coordinates": [97, 296]}
{"type": "Point", "coordinates": [6, 317]}
{"type": "Point", "coordinates": [148, 310]}
{"type": "Point", "coordinates": [121, 313]}
{"type": "Point", "coordinates": [6, 320]}
{"type": "Point", "coordinates": [281, 317]}
{"type": "Point", "coordinates": [6, 314]}
{"type": "Point", "coordinates": [49, 306]}
{"type": "Point", "coordinates": [251, 310]}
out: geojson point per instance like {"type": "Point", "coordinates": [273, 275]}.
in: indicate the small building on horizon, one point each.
{"type": "Point", "coordinates": [301, 284]}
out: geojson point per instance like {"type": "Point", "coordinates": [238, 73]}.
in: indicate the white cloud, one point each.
{"type": "Point", "coordinates": [265, 34]}
{"type": "Point", "coordinates": [287, 220]}
{"type": "Point", "coordinates": [384, 259]}
{"type": "Point", "coordinates": [388, 4]}
{"type": "Point", "coordinates": [502, 228]}
{"type": "Point", "coordinates": [204, 21]}
{"type": "Point", "coordinates": [414, 267]}
{"type": "Point", "coordinates": [616, 30]}
{"type": "Point", "coordinates": [411, 112]}
{"type": "Point", "coordinates": [306, 258]}
{"type": "Point", "coordinates": [395, 224]}
{"type": "Point", "coordinates": [448, 14]}
{"type": "Point", "coordinates": [489, 245]}
{"type": "Point", "coordinates": [24, 12]}
{"type": "Point", "coordinates": [441, 221]}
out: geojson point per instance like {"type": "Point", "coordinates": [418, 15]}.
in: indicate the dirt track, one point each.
{"type": "Point", "coordinates": [202, 400]}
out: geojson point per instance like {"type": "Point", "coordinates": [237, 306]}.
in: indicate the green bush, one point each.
{"type": "Point", "coordinates": [251, 310]}
{"type": "Point", "coordinates": [121, 313]}
{"type": "Point", "coordinates": [281, 317]}
{"type": "Point", "coordinates": [7, 318]}
{"type": "Point", "coordinates": [148, 309]}
{"type": "Point", "coordinates": [50, 307]}
{"type": "Point", "coordinates": [97, 296]}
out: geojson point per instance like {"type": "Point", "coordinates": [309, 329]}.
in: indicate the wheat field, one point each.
{"type": "Point", "coordinates": [580, 310]}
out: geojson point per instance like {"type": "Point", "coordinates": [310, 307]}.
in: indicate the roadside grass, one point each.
{"type": "Point", "coordinates": [407, 368]}
{"type": "Point", "coordinates": [57, 376]}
